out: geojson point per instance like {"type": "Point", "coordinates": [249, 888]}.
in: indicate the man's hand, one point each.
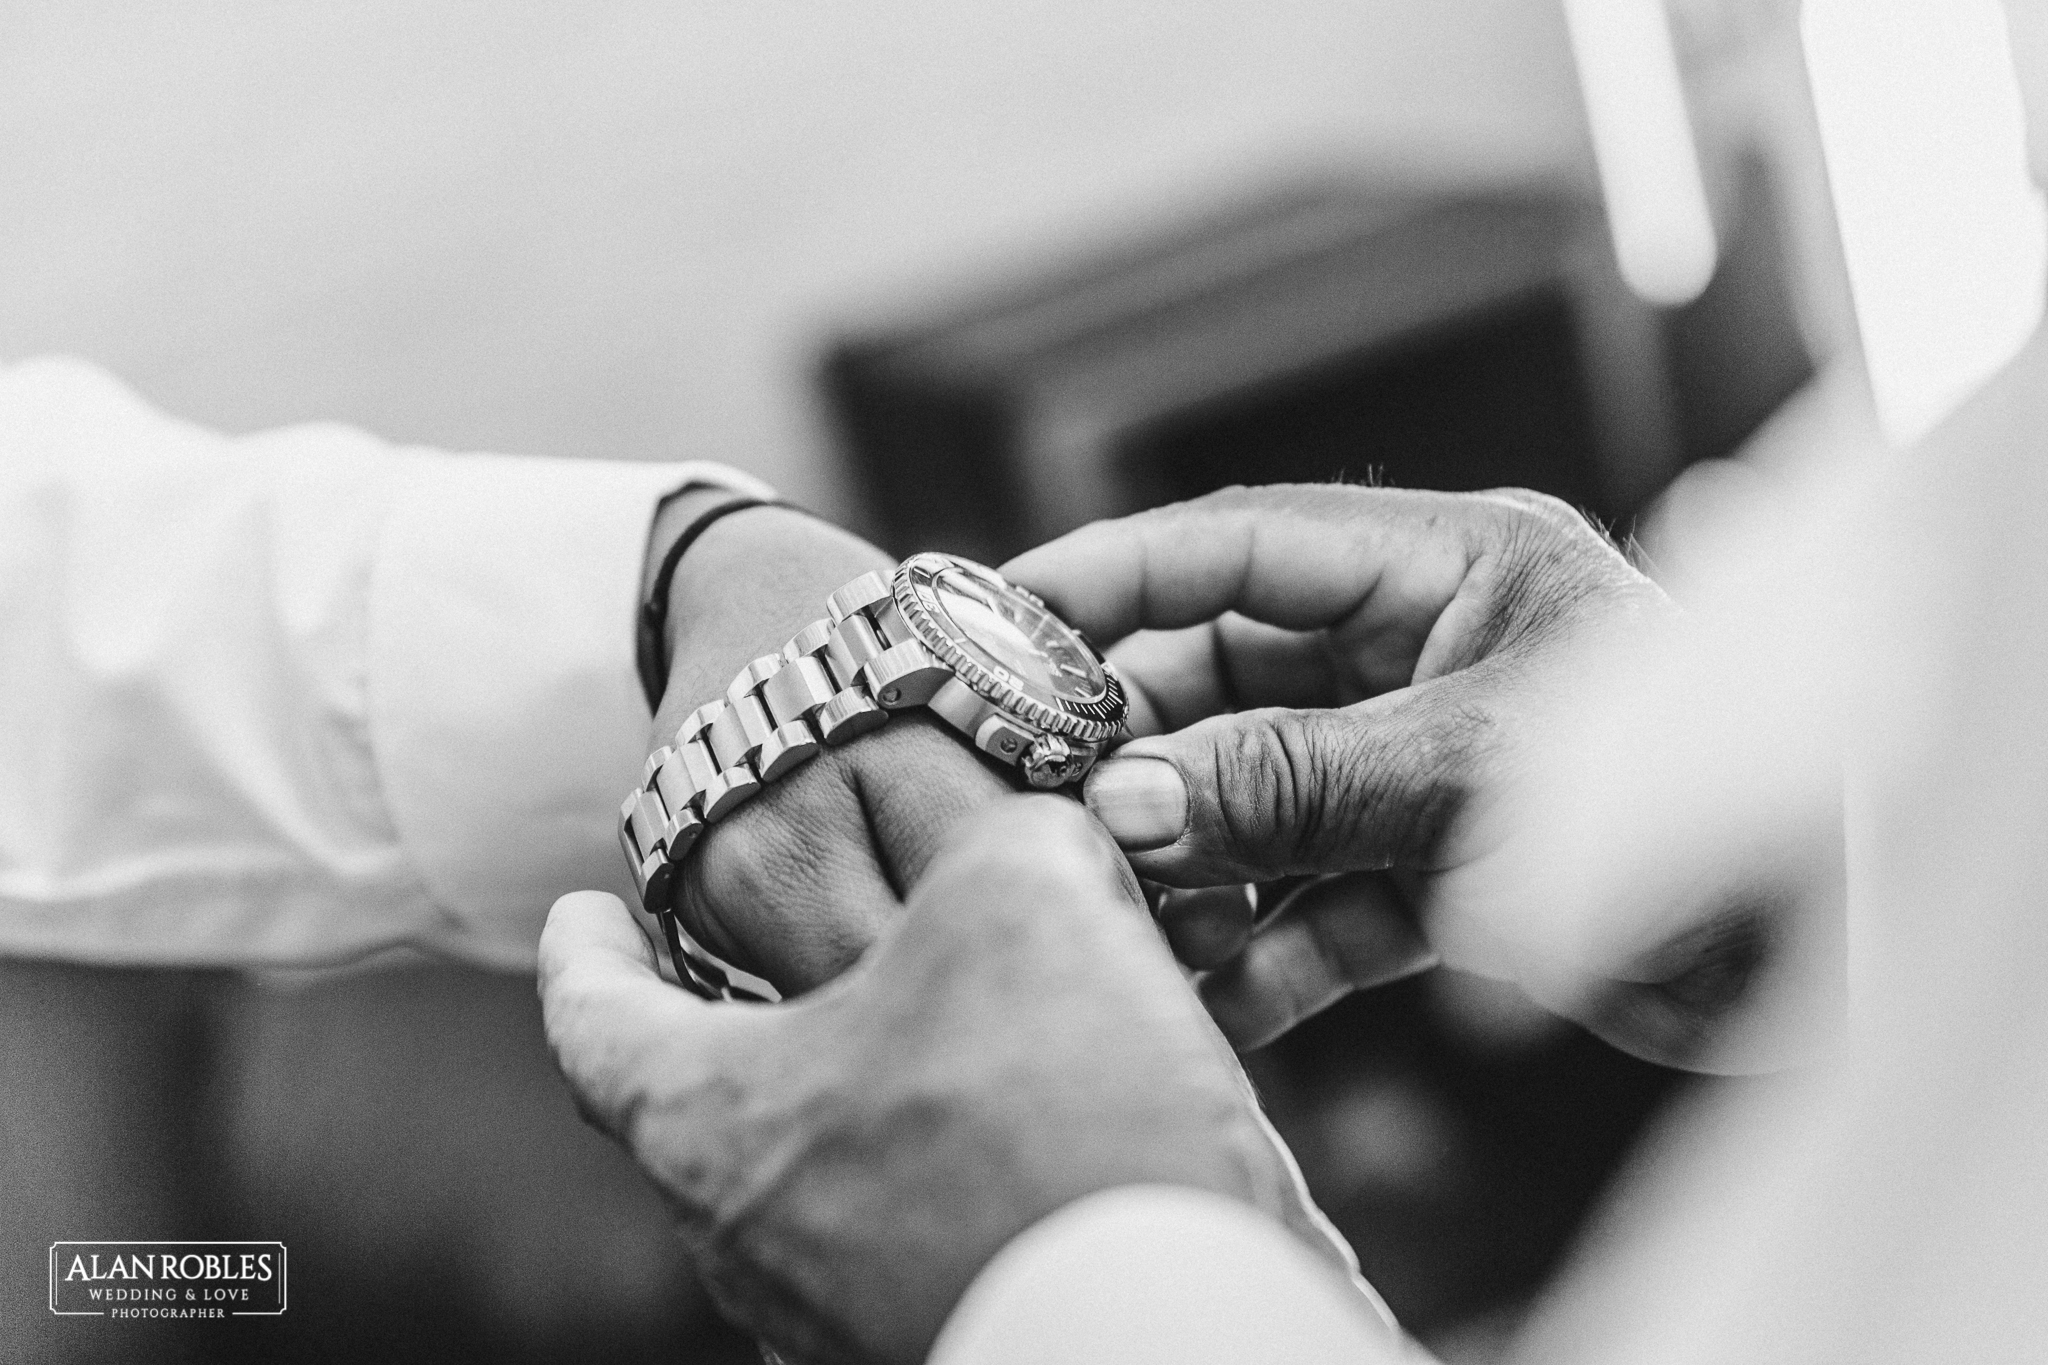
{"type": "Point", "coordinates": [795, 884]}
{"type": "Point", "coordinates": [842, 1165]}
{"type": "Point", "coordinates": [1338, 680]}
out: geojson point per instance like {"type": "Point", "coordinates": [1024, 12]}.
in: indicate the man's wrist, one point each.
{"type": "Point", "coordinates": [750, 581]}
{"type": "Point", "coordinates": [677, 513]}
{"type": "Point", "coordinates": [651, 646]}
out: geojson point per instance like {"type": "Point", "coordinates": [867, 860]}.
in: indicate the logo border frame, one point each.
{"type": "Point", "coordinates": [283, 1278]}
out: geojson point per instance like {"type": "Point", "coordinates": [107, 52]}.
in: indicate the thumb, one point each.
{"type": "Point", "coordinates": [617, 1029]}
{"type": "Point", "coordinates": [1271, 793]}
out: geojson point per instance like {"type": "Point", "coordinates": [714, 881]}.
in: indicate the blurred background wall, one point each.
{"type": "Point", "coordinates": [620, 228]}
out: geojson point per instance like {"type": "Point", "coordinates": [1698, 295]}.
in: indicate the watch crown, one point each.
{"type": "Point", "coordinates": [1053, 761]}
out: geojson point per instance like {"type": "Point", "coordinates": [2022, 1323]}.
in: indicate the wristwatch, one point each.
{"type": "Point", "coordinates": [942, 632]}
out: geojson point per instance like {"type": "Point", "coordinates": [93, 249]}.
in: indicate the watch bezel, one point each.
{"type": "Point", "coordinates": [1091, 721]}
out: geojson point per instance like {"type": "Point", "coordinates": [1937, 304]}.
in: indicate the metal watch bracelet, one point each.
{"type": "Point", "coordinates": [837, 678]}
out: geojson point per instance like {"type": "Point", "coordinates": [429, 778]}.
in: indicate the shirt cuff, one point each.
{"type": "Point", "coordinates": [1154, 1273]}
{"type": "Point", "coordinates": [505, 710]}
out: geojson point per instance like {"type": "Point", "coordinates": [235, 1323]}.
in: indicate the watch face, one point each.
{"type": "Point", "coordinates": [1005, 644]}
{"type": "Point", "coordinates": [1006, 630]}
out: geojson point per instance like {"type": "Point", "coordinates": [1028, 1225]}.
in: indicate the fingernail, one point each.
{"type": "Point", "coordinates": [1141, 801]}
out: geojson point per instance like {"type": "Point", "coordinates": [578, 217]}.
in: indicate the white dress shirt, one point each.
{"type": "Point", "coordinates": [296, 697]}
{"type": "Point", "coordinates": [1163, 1275]}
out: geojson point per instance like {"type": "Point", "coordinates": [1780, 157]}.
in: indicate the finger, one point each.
{"type": "Point", "coordinates": [1174, 678]}
{"type": "Point", "coordinates": [1271, 793]}
{"type": "Point", "coordinates": [1332, 938]}
{"type": "Point", "coordinates": [613, 1023]}
{"type": "Point", "coordinates": [1033, 850]}
{"type": "Point", "coordinates": [1205, 926]}
{"type": "Point", "coordinates": [1029, 900]}
{"type": "Point", "coordinates": [592, 934]}
{"type": "Point", "coordinates": [1380, 566]}
{"type": "Point", "coordinates": [1678, 1004]}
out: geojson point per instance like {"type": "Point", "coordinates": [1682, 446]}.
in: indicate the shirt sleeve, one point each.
{"type": "Point", "coordinates": [1158, 1274]}
{"type": "Point", "coordinates": [298, 697]}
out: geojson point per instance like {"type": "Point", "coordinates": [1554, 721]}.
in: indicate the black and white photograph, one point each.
{"type": "Point", "coordinates": [746, 682]}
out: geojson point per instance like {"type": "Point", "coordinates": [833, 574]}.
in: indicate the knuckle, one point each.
{"type": "Point", "coordinates": [617, 1113]}
{"type": "Point", "coordinates": [1232, 498]}
{"type": "Point", "coordinates": [1301, 783]}
{"type": "Point", "coordinates": [741, 865]}
{"type": "Point", "coordinates": [1330, 800]}
{"type": "Point", "coordinates": [1302, 499]}
{"type": "Point", "coordinates": [1292, 779]}
{"type": "Point", "coordinates": [1246, 775]}
{"type": "Point", "coordinates": [1546, 508]}
{"type": "Point", "coordinates": [1315, 792]}
{"type": "Point", "coordinates": [1550, 560]}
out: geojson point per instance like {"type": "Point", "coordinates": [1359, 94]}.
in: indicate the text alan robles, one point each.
{"type": "Point", "coordinates": [167, 1279]}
